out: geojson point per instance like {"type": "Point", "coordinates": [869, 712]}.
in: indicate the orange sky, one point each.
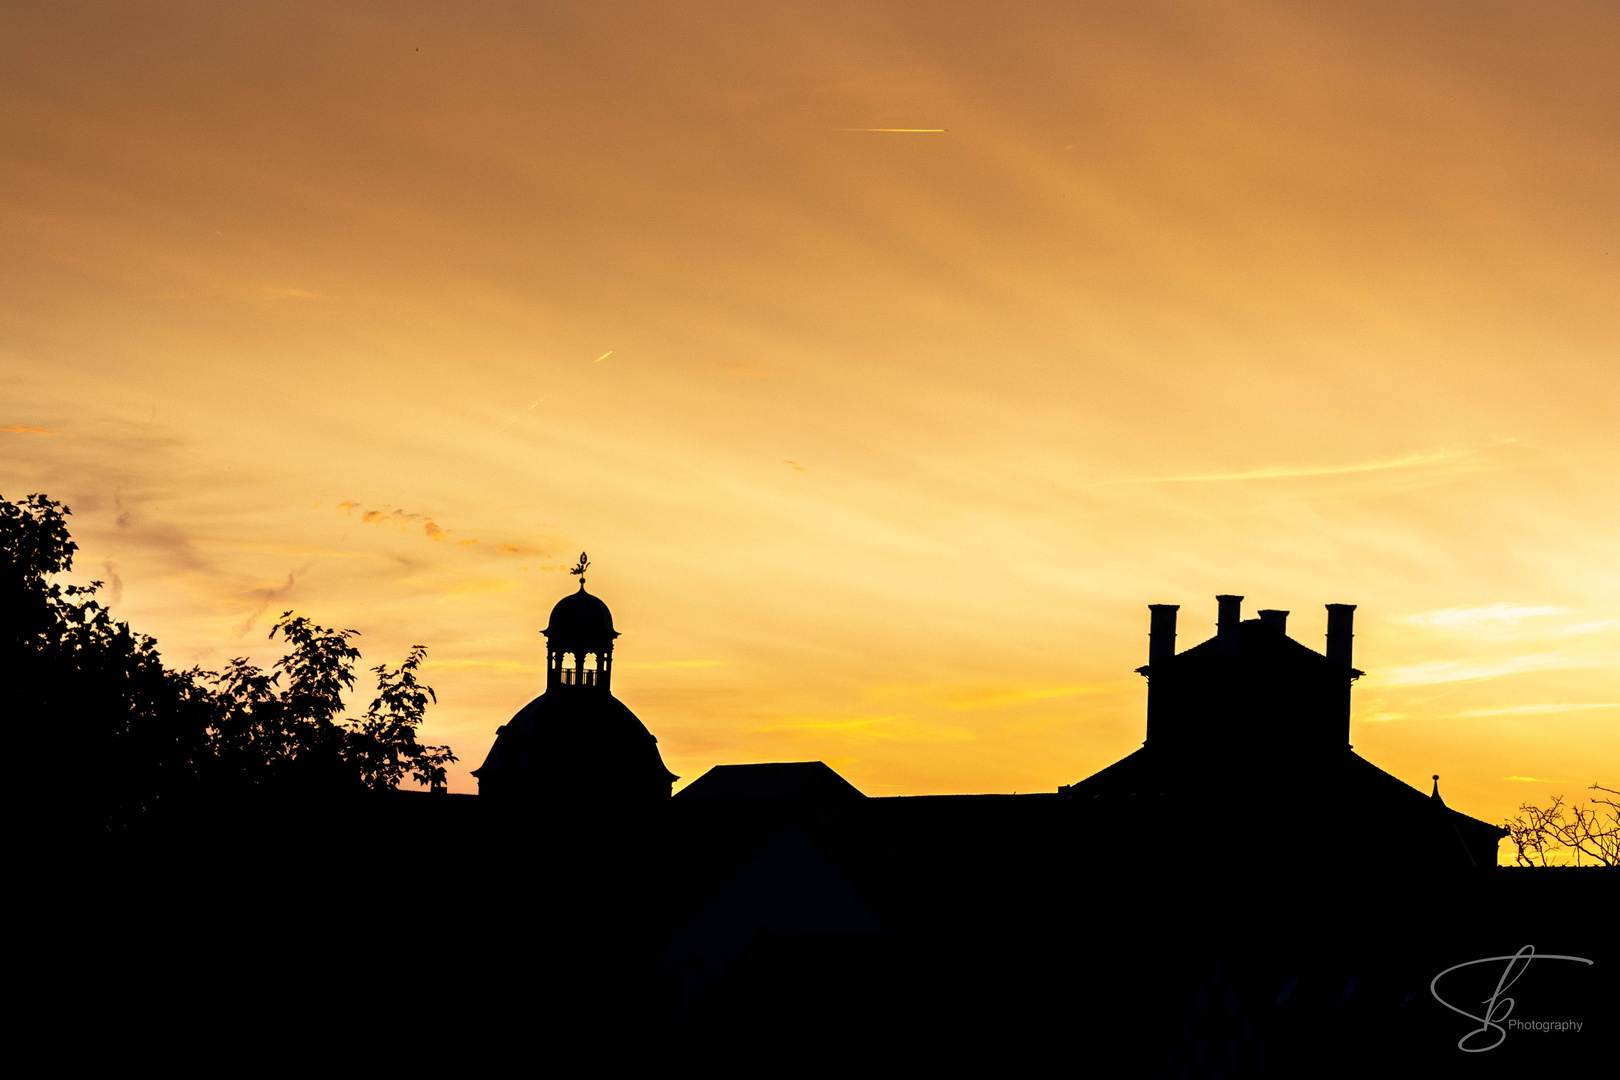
{"type": "Point", "coordinates": [896, 434]}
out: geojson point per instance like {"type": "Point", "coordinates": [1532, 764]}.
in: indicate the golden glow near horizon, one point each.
{"type": "Point", "coordinates": [896, 438]}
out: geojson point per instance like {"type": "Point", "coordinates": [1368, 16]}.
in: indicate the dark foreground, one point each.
{"type": "Point", "coordinates": [976, 932]}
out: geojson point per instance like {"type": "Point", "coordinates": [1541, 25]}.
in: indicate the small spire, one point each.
{"type": "Point", "coordinates": [580, 568]}
{"type": "Point", "coordinates": [1436, 793]}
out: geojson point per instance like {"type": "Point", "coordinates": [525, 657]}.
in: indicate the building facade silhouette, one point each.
{"type": "Point", "coordinates": [1249, 734]}
{"type": "Point", "coordinates": [1244, 887]}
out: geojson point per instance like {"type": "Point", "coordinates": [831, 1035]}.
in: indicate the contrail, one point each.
{"type": "Point", "coordinates": [603, 357]}
{"type": "Point", "coordinates": [514, 417]}
{"type": "Point", "coordinates": [909, 131]}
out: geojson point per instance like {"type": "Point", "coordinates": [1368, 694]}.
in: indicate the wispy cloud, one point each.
{"type": "Point", "coordinates": [1445, 671]}
{"type": "Point", "coordinates": [470, 587]}
{"type": "Point", "coordinates": [283, 293]}
{"type": "Point", "coordinates": [1474, 617]}
{"type": "Point", "coordinates": [1589, 628]}
{"type": "Point", "coordinates": [1512, 709]}
{"type": "Point", "coordinates": [869, 727]}
{"type": "Point", "coordinates": [901, 131]}
{"type": "Point", "coordinates": [24, 429]}
{"type": "Point", "coordinates": [399, 518]}
{"type": "Point", "coordinates": [267, 593]}
{"type": "Point", "coordinates": [862, 724]}
{"type": "Point", "coordinates": [957, 697]}
{"type": "Point", "coordinates": [676, 664]}
{"type": "Point", "coordinates": [115, 584]}
{"type": "Point", "coordinates": [993, 699]}
{"type": "Point", "coordinates": [1444, 456]}
{"type": "Point", "coordinates": [497, 665]}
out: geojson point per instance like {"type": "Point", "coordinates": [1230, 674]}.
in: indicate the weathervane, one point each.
{"type": "Point", "coordinates": [580, 568]}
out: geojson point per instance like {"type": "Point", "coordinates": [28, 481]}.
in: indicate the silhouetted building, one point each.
{"type": "Point", "coordinates": [1248, 738]}
{"type": "Point", "coordinates": [576, 742]}
{"type": "Point", "coordinates": [806, 783]}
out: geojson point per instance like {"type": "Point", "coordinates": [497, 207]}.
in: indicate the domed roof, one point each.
{"type": "Point", "coordinates": [581, 614]}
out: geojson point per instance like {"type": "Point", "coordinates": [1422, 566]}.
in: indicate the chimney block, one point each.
{"type": "Point", "coordinates": [1340, 632]}
{"type": "Point", "coordinates": [1277, 620]}
{"type": "Point", "coordinates": [1162, 632]}
{"type": "Point", "coordinates": [1227, 622]}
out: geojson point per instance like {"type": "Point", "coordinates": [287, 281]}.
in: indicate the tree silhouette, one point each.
{"type": "Point", "coordinates": [1579, 831]}
{"type": "Point", "coordinates": [297, 737]}
{"type": "Point", "coordinates": [383, 742]}
{"type": "Point", "coordinates": [123, 737]}
{"type": "Point", "coordinates": [114, 733]}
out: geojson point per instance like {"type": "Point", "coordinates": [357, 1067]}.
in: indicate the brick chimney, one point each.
{"type": "Point", "coordinates": [1162, 632]}
{"type": "Point", "coordinates": [1341, 620]}
{"type": "Point", "coordinates": [1230, 615]}
{"type": "Point", "coordinates": [1277, 620]}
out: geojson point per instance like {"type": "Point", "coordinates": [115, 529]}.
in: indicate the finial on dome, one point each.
{"type": "Point", "coordinates": [580, 568]}
{"type": "Point", "coordinates": [1436, 793]}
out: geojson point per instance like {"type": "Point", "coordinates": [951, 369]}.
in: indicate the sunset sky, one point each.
{"type": "Point", "coordinates": [880, 441]}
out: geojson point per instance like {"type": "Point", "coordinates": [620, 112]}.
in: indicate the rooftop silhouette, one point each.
{"type": "Point", "coordinates": [576, 742]}
{"type": "Point", "coordinates": [1251, 725]}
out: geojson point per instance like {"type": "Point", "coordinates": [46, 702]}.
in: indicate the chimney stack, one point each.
{"type": "Point", "coordinates": [1277, 620]}
{"type": "Point", "coordinates": [1162, 632]}
{"type": "Point", "coordinates": [1227, 623]}
{"type": "Point", "coordinates": [1341, 619]}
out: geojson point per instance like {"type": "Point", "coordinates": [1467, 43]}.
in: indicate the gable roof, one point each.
{"type": "Point", "coordinates": [803, 781]}
{"type": "Point", "coordinates": [1258, 644]}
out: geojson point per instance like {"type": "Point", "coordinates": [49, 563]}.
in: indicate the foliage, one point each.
{"type": "Point", "coordinates": [34, 541]}
{"type": "Point", "coordinates": [383, 742]}
{"type": "Point", "coordinates": [1577, 832]}
{"type": "Point", "coordinates": [298, 737]}
{"type": "Point", "coordinates": [114, 732]}
{"type": "Point", "coordinates": [122, 736]}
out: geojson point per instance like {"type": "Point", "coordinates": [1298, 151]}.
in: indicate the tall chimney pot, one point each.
{"type": "Point", "coordinates": [1162, 632]}
{"type": "Point", "coordinates": [1341, 621]}
{"type": "Point", "coordinates": [1277, 620]}
{"type": "Point", "coordinates": [1227, 622]}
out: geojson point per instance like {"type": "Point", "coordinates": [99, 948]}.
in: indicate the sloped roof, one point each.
{"type": "Point", "coordinates": [1258, 644]}
{"type": "Point", "coordinates": [804, 781]}
{"type": "Point", "coordinates": [1135, 774]}
{"type": "Point", "coordinates": [1339, 791]}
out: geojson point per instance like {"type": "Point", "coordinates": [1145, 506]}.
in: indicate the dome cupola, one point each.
{"type": "Point", "coordinates": [580, 614]}
{"type": "Point", "coordinates": [579, 639]}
